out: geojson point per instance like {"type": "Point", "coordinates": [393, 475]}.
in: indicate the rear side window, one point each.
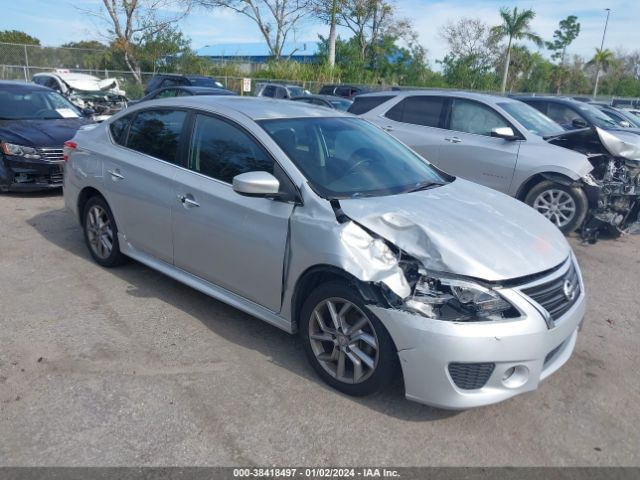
{"type": "Point", "coordinates": [118, 129]}
{"type": "Point", "coordinates": [269, 91]}
{"type": "Point", "coordinates": [157, 133]}
{"type": "Point", "coordinates": [362, 105]}
{"type": "Point", "coordinates": [418, 110]}
{"type": "Point", "coordinates": [327, 90]}
{"type": "Point", "coordinates": [222, 151]}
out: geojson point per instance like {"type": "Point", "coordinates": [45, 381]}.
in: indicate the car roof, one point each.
{"type": "Point", "coordinates": [328, 98]}
{"type": "Point", "coordinates": [255, 108]}
{"type": "Point", "coordinates": [483, 97]}
{"type": "Point", "coordinates": [15, 85]}
{"type": "Point", "coordinates": [549, 98]}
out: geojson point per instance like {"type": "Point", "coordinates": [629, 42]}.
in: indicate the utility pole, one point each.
{"type": "Point", "coordinates": [606, 23]}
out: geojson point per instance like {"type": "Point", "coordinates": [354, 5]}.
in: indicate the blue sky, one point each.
{"type": "Point", "coordinates": [59, 21]}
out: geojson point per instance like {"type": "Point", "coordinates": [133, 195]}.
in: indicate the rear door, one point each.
{"type": "Point", "coordinates": [233, 241]}
{"type": "Point", "coordinates": [416, 121]}
{"type": "Point", "coordinates": [468, 149]}
{"type": "Point", "coordinates": [139, 179]}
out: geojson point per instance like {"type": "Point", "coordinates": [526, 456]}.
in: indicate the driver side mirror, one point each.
{"type": "Point", "coordinates": [505, 133]}
{"type": "Point", "coordinates": [256, 184]}
{"type": "Point", "coordinates": [579, 123]}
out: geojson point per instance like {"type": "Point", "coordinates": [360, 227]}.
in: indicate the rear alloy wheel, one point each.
{"type": "Point", "coordinates": [346, 344]}
{"type": "Point", "coordinates": [101, 233]}
{"type": "Point", "coordinates": [565, 207]}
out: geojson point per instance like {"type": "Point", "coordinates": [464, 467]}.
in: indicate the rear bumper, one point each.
{"type": "Point", "coordinates": [464, 365]}
{"type": "Point", "coordinates": [24, 175]}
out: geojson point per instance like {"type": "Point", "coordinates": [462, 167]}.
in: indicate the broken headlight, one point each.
{"type": "Point", "coordinates": [457, 300]}
{"type": "Point", "coordinates": [19, 151]}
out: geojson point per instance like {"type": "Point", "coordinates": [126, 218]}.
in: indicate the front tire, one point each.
{"type": "Point", "coordinates": [345, 343]}
{"type": "Point", "coordinates": [566, 207]}
{"type": "Point", "coordinates": [101, 233]}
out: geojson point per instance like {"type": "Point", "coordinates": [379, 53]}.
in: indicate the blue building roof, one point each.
{"type": "Point", "coordinates": [253, 50]}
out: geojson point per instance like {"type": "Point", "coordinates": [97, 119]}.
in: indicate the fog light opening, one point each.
{"type": "Point", "coordinates": [515, 377]}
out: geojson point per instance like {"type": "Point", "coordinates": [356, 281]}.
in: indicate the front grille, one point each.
{"type": "Point", "coordinates": [471, 376]}
{"type": "Point", "coordinates": [51, 154]}
{"type": "Point", "coordinates": [556, 296]}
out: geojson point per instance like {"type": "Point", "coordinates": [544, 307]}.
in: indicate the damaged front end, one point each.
{"type": "Point", "coordinates": [613, 186]}
{"type": "Point", "coordinates": [103, 103]}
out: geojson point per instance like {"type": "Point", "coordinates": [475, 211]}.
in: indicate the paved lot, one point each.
{"type": "Point", "coordinates": [128, 367]}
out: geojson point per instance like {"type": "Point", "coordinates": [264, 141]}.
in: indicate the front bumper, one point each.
{"type": "Point", "coordinates": [431, 351]}
{"type": "Point", "coordinates": [21, 174]}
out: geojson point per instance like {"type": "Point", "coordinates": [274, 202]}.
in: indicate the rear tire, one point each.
{"type": "Point", "coordinates": [101, 233]}
{"type": "Point", "coordinates": [566, 207]}
{"type": "Point", "coordinates": [349, 349]}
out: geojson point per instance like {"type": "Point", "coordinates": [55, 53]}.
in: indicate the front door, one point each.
{"type": "Point", "coordinates": [469, 151]}
{"type": "Point", "coordinates": [230, 240]}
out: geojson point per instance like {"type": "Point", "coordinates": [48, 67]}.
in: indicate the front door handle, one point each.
{"type": "Point", "coordinates": [388, 128]}
{"type": "Point", "coordinates": [188, 201]}
{"type": "Point", "coordinates": [115, 175]}
{"type": "Point", "coordinates": [453, 139]}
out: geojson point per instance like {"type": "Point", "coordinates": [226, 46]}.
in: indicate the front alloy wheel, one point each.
{"type": "Point", "coordinates": [345, 342]}
{"type": "Point", "coordinates": [563, 205]}
{"type": "Point", "coordinates": [556, 205]}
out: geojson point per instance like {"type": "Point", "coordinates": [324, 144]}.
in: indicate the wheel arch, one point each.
{"type": "Point", "coordinates": [533, 180]}
{"type": "Point", "coordinates": [83, 197]}
{"type": "Point", "coordinates": [315, 275]}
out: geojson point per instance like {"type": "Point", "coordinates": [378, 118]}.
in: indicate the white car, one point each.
{"type": "Point", "coordinates": [103, 96]}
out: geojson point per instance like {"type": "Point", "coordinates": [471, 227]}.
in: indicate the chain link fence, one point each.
{"type": "Point", "coordinates": [21, 62]}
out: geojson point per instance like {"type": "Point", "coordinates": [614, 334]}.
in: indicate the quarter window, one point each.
{"type": "Point", "coordinates": [118, 129]}
{"type": "Point", "coordinates": [473, 117]}
{"type": "Point", "coordinates": [157, 133]}
{"type": "Point", "coordinates": [222, 151]}
{"type": "Point", "coordinates": [418, 110]}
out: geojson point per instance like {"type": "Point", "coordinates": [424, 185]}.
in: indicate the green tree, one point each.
{"type": "Point", "coordinates": [602, 60]}
{"type": "Point", "coordinates": [568, 31]}
{"type": "Point", "coordinates": [515, 26]}
{"type": "Point", "coordinates": [16, 36]}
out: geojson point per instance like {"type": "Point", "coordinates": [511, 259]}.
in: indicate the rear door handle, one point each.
{"type": "Point", "coordinates": [115, 175]}
{"type": "Point", "coordinates": [453, 139]}
{"type": "Point", "coordinates": [188, 201]}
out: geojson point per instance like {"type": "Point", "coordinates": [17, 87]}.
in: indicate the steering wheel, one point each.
{"type": "Point", "coordinates": [366, 155]}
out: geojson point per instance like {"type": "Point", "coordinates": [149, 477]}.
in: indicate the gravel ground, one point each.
{"type": "Point", "coordinates": [128, 367]}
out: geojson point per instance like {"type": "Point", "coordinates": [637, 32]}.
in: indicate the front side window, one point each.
{"type": "Point", "coordinates": [349, 157]}
{"type": "Point", "coordinates": [596, 117]}
{"type": "Point", "coordinates": [157, 133]}
{"type": "Point", "coordinates": [472, 117]}
{"type": "Point", "coordinates": [169, 92]}
{"type": "Point", "coordinates": [269, 91]}
{"type": "Point", "coordinates": [418, 110]}
{"type": "Point", "coordinates": [563, 115]}
{"type": "Point", "coordinates": [222, 151]}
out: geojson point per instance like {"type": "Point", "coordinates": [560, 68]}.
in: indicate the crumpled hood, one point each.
{"type": "Point", "coordinates": [465, 229]}
{"type": "Point", "coordinates": [41, 133]}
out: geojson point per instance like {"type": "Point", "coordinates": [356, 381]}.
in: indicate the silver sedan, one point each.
{"type": "Point", "coordinates": [324, 225]}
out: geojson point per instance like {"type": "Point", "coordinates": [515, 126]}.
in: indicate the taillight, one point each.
{"type": "Point", "coordinates": [69, 147]}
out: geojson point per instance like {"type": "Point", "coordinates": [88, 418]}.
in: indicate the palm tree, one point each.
{"type": "Point", "coordinates": [603, 59]}
{"type": "Point", "coordinates": [515, 25]}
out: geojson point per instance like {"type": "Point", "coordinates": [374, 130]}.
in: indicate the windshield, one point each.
{"type": "Point", "coordinates": [531, 119]}
{"type": "Point", "coordinates": [205, 82]}
{"type": "Point", "coordinates": [596, 117]}
{"type": "Point", "coordinates": [349, 157]}
{"type": "Point", "coordinates": [35, 104]}
{"type": "Point", "coordinates": [296, 91]}
{"type": "Point", "coordinates": [341, 104]}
